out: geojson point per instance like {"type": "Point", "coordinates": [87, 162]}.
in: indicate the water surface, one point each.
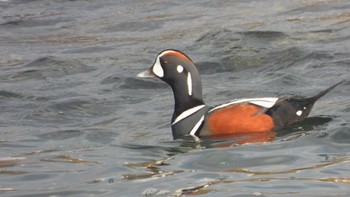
{"type": "Point", "coordinates": [75, 121]}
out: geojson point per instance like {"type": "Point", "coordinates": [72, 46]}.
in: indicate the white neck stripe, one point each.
{"type": "Point", "coordinates": [187, 113]}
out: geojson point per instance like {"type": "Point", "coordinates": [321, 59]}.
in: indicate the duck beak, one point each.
{"type": "Point", "coordinates": [146, 74]}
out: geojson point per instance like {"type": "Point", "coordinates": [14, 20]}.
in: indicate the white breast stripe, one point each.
{"type": "Point", "coordinates": [189, 84]}
{"type": "Point", "coordinates": [267, 102]}
{"type": "Point", "coordinates": [195, 128]}
{"type": "Point", "coordinates": [187, 113]}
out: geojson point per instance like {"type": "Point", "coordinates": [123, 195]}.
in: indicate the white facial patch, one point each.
{"type": "Point", "coordinates": [157, 68]}
{"type": "Point", "coordinates": [189, 84]}
{"type": "Point", "coordinates": [299, 113]}
{"type": "Point", "coordinates": [179, 68]}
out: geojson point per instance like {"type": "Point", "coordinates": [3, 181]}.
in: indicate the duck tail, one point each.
{"type": "Point", "coordinates": [294, 109]}
{"type": "Point", "coordinates": [324, 92]}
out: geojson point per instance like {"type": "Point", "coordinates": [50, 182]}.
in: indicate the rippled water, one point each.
{"type": "Point", "coordinates": [75, 121]}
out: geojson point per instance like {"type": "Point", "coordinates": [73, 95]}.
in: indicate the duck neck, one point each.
{"type": "Point", "coordinates": [184, 100]}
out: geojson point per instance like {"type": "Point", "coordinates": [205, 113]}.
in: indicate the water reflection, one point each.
{"type": "Point", "coordinates": [198, 159]}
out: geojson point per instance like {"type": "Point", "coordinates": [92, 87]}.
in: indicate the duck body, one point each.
{"type": "Point", "coordinates": [192, 117]}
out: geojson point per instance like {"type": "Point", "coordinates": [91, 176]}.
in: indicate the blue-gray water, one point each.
{"type": "Point", "coordinates": [75, 120]}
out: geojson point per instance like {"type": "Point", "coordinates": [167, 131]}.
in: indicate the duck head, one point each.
{"type": "Point", "coordinates": [179, 72]}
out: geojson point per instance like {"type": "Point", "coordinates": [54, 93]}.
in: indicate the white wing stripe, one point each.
{"type": "Point", "coordinates": [267, 102]}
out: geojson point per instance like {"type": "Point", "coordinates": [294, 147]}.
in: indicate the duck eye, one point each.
{"type": "Point", "coordinates": [164, 61]}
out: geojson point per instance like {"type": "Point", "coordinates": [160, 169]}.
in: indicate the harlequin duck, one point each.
{"type": "Point", "coordinates": [192, 117]}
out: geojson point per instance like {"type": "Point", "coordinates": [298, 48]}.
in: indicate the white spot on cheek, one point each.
{"type": "Point", "coordinates": [189, 84]}
{"type": "Point", "coordinates": [179, 69]}
{"type": "Point", "coordinates": [304, 107]}
{"type": "Point", "coordinates": [299, 112]}
{"type": "Point", "coordinates": [157, 68]}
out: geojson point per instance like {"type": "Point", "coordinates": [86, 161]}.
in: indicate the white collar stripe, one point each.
{"type": "Point", "coordinates": [195, 128]}
{"type": "Point", "coordinates": [187, 113]}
